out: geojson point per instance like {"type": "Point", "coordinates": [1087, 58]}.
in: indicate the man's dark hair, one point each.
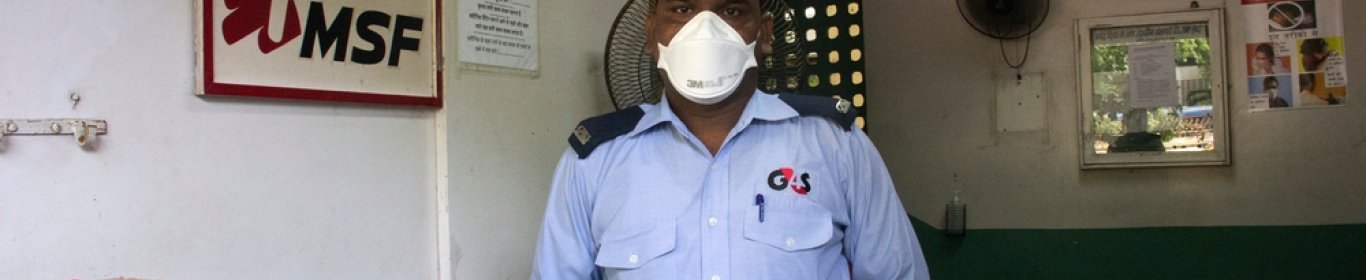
{"type": "Point", "coordinates": [1306, 80]}
{"type": "Point", "coordinates": [1313, 46]}
{"type": "Point", "coordinates": [1268, 82]}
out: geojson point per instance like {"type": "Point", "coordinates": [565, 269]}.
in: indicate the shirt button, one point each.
{"type": "Point", "coordinates": [712, 221]}
{"type": "Point", "coordinates": [633, 259]}
{"type": "Point", "coordinates": [791, 243]}
{"type": "Point", "coordinates": [716, 277]}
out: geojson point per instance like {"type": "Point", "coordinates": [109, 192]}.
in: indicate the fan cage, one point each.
{"type": "Point", "coordinates": [1004, 19]}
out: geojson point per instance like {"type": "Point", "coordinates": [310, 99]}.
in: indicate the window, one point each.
{"type": "Point", "coordinates": [1152, 90]}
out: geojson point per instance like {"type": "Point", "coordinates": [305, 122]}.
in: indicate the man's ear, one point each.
{"type": "Point", "coordinates": [651, 44]}
{"type": "Point", "coordinates": [766, 35]}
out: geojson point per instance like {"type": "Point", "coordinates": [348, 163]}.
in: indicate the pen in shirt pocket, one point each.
{"type": "Point", "coordinates": [759, 200]}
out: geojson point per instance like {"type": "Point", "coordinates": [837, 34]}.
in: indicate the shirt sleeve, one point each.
{"type": "Point", "coordinates": [565, 248]}
{"type": "Point", "coordinates": [879, 240]}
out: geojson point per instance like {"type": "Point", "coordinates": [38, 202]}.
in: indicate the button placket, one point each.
{"type": "Point", "coordinates": [716, 256]}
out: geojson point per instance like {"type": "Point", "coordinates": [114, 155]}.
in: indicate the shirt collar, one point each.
{"type": "Point", "coordinates": [761, 106]}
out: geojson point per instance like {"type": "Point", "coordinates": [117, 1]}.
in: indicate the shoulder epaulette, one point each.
{"type": "Point", "coordinates": [840, 111]}
{"type": "Point", "coordinates": [597, 130]}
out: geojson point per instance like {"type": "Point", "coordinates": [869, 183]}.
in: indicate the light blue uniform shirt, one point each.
{"type": "Point", "coordinates": [655, 204]}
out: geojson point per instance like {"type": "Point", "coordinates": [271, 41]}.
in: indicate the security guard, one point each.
{"type": "Point", "coordinates": [720, 180]}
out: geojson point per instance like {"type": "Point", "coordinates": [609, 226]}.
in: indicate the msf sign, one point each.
{"type": "Point", "coordinates": [321, 37]}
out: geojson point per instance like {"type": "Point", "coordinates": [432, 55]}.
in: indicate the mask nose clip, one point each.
{"type": "Point", "coordinates": [709, 28]}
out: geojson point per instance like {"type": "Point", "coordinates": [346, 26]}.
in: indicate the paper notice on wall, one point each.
{"type": "Point", "coordinates": [1295, 53]}
{"type": "Point", "coordinates": [1152, 76]}
{"type": "Point", "coordinates": [498, 33]}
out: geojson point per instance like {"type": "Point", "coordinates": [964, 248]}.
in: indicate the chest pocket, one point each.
{"type": "Point", "coordinates": [631, 249]}
{"type": "Point", "coordinates": [798, 226]}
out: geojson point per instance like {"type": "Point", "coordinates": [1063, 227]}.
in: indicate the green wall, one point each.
{"type": "Point", "coordinates": [1262, 252]}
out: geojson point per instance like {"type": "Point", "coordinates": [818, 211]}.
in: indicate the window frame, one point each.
{"type": "Point", "coordinates": [1219, 155]}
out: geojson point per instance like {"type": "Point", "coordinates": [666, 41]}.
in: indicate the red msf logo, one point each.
{"type": "Point", "coordinates": [320, 36]}
{"type": "Point", "coordinates": [247, 16]}
{"type": "Point", "coordinates": [783, 177]}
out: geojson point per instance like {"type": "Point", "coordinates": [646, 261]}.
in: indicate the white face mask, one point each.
{"type": "Point", "coordinates": [707, 59]}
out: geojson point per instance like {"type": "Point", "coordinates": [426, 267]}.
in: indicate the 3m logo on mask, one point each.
{"type": "Point", "coordinates": [702, 49]}
{"type": "Point", "coordinates": [702, 84]}
{"type": "Point", "coordinates": [783, 177]}
{"type": "Point", "coordinates": [248, 16]}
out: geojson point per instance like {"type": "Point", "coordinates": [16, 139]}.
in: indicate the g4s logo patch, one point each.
{"type": "Point", "coordinates": [784, 177]}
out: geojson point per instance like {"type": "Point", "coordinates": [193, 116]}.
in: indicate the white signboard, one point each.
{"type": "Point", "coordinates": [336, 50]}
{"type": "Point", "coordinates": [499, 33]}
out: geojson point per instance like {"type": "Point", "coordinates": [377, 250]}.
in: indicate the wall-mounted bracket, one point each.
{"type": "Point", "coordinates": [84, 130]}
{"type": "Point", "coordinates": [51, 126]}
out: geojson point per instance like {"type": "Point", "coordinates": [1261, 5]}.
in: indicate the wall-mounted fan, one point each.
{"type": "Point", "coordinates": [1005, 20]}
{"type": "Point", "coordinates": [631, 74]}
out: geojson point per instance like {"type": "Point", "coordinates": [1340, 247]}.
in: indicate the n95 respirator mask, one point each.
{"type": "Point", "coordinates": [706, 59]}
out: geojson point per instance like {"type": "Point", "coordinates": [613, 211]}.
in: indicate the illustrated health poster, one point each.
{"type": "Point", "coordinates": [1295, 54]}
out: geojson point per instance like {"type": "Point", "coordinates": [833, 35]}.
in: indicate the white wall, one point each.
{"type": "Point", "coordinates": [506, 133]}
{"type": "Point", "coordinates": [185, 187]}
{"type": "Point", "coordinates": [934, 123]}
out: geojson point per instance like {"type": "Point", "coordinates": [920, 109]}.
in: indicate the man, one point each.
{"type": "Point", "coordinates": [720, 181]}
{"type": "Point", "coordinates": [1308, 96]}
{"type": "Point", "coordinates": [1315, 54]}
{"type": "Point", "coordinates": [1271, 88]}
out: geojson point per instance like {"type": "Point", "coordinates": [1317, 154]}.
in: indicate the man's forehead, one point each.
{"type": "Point", "coordinates": [755, 2]}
